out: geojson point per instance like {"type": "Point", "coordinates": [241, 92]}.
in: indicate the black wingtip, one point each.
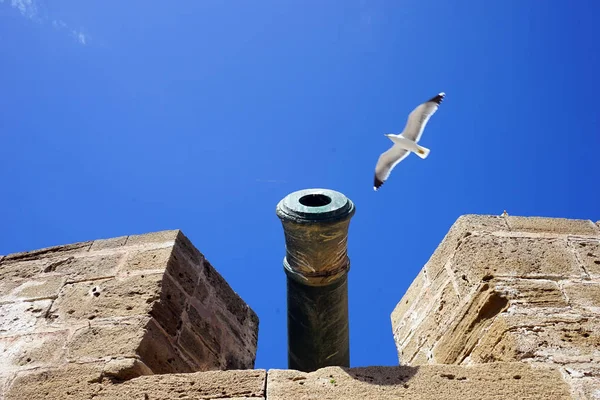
{"type": "Point", "coordinates": [438, 99]}
{"type": "Point", "coordinates": [377, 184]}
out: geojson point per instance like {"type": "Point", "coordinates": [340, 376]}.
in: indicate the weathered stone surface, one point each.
{"type": "Point", "coordinates": [552, 225]}
{"type": "Point", "coordinates": [110, 298]}
{"type": "Point", "coordinates": [153, 237]}
{"type": "Point", "coordinates": [21, 269]}
{"type": "Point", "coordinates": [80, 382]}
{"type": "Point", "coordinates": [480, 258]}
{"type": "Point", "coordinates": [171, 305]}
{"type": "Point", "coordinates": [32, 350]}
{"type": "Point", "coordinates": [107, 339]}
{"type": "Point", "coordinates": [414, 290]}
{"type": "Point", "coordinates": [54, 251]}
{"type": "Point", "coordinates": [205, 324]}
{"type": "Point", "coordinates": [588, 252]}
{"type": "Point", "coordinates": [584, 296]}
{"type": "Point", "coordinates": [557, 338]}
{"type": "Point", "coordinates": [123, 369]}
{"type": "Point", "coordinates": [147, 260]}
{"type": "Point", "coordinates": [73, 381]}
{"type": "Point", "coordinates": [586, 388]}
{"type": "Point", "coordinates": [194, 347]}
{"type": "Point", "coordinates": [125, 298]}
{"type": "Point", "coordinates": [22, 318]}
{"type": "Point", "coordinates": [464, 226]}
{"type": "Point", "coordinates": [87, 268]}
{"type": "Point", "coordinates": [37, 289]}
{"type": "Point", "coordinates": [469, 326]}
{"type": "Point", "coordinates": [421, 335]}
{"type": "Point", "coordinates": [528, 294]}
{"type": "Point", "coordinates": [186, 273]}
{"type": "Point", "coordinates": [489, 381]}
{"type": "Point", "coordinates": [103, 244]}
{"type": "Point", "coordinates": [158, 351]}
{"type": "Point", "coordinates": [83, 321]}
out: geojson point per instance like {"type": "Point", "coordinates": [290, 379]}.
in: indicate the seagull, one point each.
{"type": "Point", "coordinates": [407, 141]}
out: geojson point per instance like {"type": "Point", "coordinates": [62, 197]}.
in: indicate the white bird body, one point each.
{"type": "Point", "coordinates": [407, 141]}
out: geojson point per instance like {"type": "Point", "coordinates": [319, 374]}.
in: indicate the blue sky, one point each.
{"type": "Point", "coordinates": [125, 117]}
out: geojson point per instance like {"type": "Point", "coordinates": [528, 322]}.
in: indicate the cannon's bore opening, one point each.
{"type": "Point", "coordinates": [314, 200]}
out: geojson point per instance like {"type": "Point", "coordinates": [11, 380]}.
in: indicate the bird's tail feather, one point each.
{"type": "Point", "coordinates": [422, 152]}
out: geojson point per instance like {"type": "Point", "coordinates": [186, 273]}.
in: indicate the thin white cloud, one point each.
{"type": "Point", "coordinates": [29, 9]}
{"type": "Point", "coordinates": [26, 7]}
{"type": "Point", "coordinates": [78, 35]}
{"type": "Point", "coordinates": [58, 23]}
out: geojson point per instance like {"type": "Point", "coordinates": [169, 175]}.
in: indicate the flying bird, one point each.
{"type": "Point", "coordinates": [407, 141]}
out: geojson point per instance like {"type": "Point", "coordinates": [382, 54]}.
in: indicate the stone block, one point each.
{"type": "Point", "coordinates": [584, 296]}
{"type": "Point", "coordinates": [54, 251]}
{"type": "Point", "coordinates": [119, 338]}
{"type": "Point", "coordinates": [412, 295]}
{"type": "Point", "coordinates": [112, 243]}
{"type": "Point", "coordinates": [78, 269]}
{"type": "Point", "coordinates": [21, 269]}
{"type": "Point", "coordinates": [110, 298]}
{"type": "Point", "coordinates": [22, 317]}
{"type": "Point", "coordinates": [160, 354]}
{"type": "Point", "coordinates": [464, 226]}
{"type": "Point", "coordinates": [469, 325]}
{"type": "Point", "coordinates": [237, 308]}
{"type": "Point", "coordinates": [540, 337]}
{"type": "Point", "coordinates": [239, 342]}
{"type": "Point", "coordinates": [127, 301]}
{"type": "Point", "coordinates": [73, 381]}
{"type": "Point", "coordinates": [552, 225]}
{"type": "Point", "coordinates": [186, 274]}
{"type": "Point", "coordinates": [248, 384]}
{"type": "Point", "coordinates": [146, 261]}
{"type": "Point", "coordinates": [205, 324]}
{"type": "Point", "coordinates": [527, 293]}
{"type": "Point", "coordinates": [79, 382]}
{"type": "Point", "coordinates": [32, 350]}
{"type": "Point", "coordinates": [194, 347]}
{"type": "Point", "coordinates": [153, 237]}
{"type": "Point", "coordinates": [496, 380]}
{"type": "Point", "coordinates": [427, 326]}
{"type": "Point", "coordinates": [37, 289]}
{"type": "Point", "coordinates": [482, 257]}
{"type": "Point", "coordinates": [588, 252]}
{"type": "Point", "coordinates": [169, 309]}
{"type": "Point", "coordinates": [585, 388]}
{"type": "Point", "coordinates": [123, 369]}
{"type": "Point", "coordinates": [5, 380]}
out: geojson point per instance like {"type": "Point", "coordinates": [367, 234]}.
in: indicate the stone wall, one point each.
{"type": "Point", "coordinates": [506, 308]}
{"type": "Point", "coordinates": [429, 382]}
{"type": "Point", "coordinates": [123, 307]}
{"type": "Point", "coordinates": [508, 289]}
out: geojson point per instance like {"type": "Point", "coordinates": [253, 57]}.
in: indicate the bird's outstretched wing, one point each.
{"type": "Point", "coordinates": [418, 118]}
{"type": "Point", "coordinates": [386, 163]}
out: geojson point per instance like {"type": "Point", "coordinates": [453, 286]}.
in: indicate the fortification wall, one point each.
{"type": "Point", "coordinates": [508, 289]}
{"type": "Point", "coordinates": [506, 307]}
{"type": "Point", "coordinates": [128, 306]}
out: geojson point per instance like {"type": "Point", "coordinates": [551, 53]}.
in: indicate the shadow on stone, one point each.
{"type": "Point", "coordinates": [383, 376]}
